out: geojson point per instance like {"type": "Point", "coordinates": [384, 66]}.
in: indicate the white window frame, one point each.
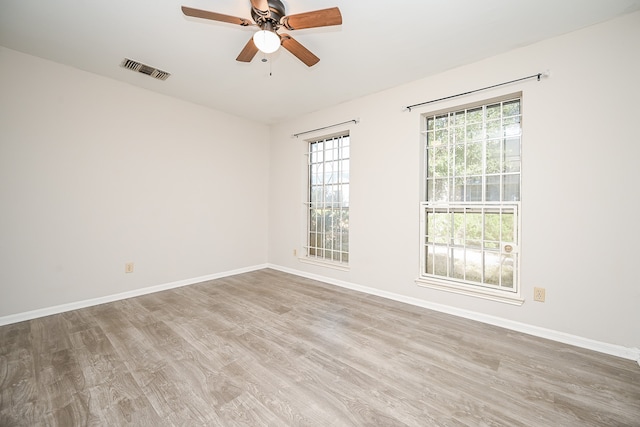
{"type": "Point", "coordinates": [508, 248]}
{"type": "Point", "coordinates": [333, 183]}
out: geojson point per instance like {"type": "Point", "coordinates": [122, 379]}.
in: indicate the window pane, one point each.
{"type": "Point", "coordinates": [511, 190]}
{"type": "Point", "coordinates": [494, 128]}
{"type": "Point", "coordinates": [512, 155]}
{"type": "Point", "coordinates": [459, 159]}
{"type": "Point", "coordinates": [442, 165]}
{"type": "Point", "coordinates": [441, 261]}
{"type": "Point", "coordinates": [431, 164]}
{"type": "Point", "coordinates": [492, 268]}
{"type": "Point", "coordinates": [492, 245]}
{"type": "Point", "coordinates": [316, 178]}
{"type": "Point", "coordinates": [473, 265]}
{"type": "Point", "coordinates": [458, 270]}
{"type": "Point", "coordinates": [494, 156]}
{"type": "Point", "coordinates": [345, 197]}
{"type": "Point", "coordinates": [429, 269]}
{"type": "Point", "coordinates": [430, 138]}
{"type": "Point", "coordinates": [508, 228]}
{"type": "Point", "coordinates": [473, 189]}
{"type": "Point", "coordinates": [344, 244]}
{"type": "Point", "coordinates": [474, 159]}
{"type": "Point", "coordinates": [493, 111]}
{"type": "Point", "coordinates": [458, 134]}
{"type": "Point", "coordinates": [442, 122]}
{"type": "Point", "coordinates": [429, 190]}
{"type": "Point", "coordinates": [511, 108]}
{"type": "Point", "coordinates": [474, 116]}
{"type": "Point", "coordinates": [316, 195]}
{"type": "Point", "coordinates": [329, 155]}
{"type": "Point", "coordinates": [474, 131]}
{"type": "Point", "coordinates": [473, 229]}
{"type": "Point", "coordinates": [512, 127]}
{"type": "Point", "coordinates": [316, 156]}
{"type": "Point", "coordinates": [328, 172]}
{"type": "Point", "coordinates": [493, 188]}
{"type": "Point", "coordinates": [459, 190]}
{"type": "Point", "coordinates": [441, 190]}
{"type": "Point", "coordinates": [441, 137]}
{"type": "Point", "coordinates": [492, 227]}
{"type": "Point", "coordinates": [439, 226]}
{"type": "Point", "coordinates": [459, 228]}
{"type": "Point", "coordinates": [507, 279]}
{"type": "Point", "coordinates": [344, 171]}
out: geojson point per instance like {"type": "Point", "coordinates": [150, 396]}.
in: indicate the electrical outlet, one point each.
{"type": "Point", "coordinates": [128, 267]}
{"type": "Point", "coordinates": [295, 252]}
{"type": "Point", "coordinates": [538, 294]}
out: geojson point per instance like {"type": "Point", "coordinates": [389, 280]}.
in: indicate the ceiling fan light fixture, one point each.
{"type": "Point", "coordinates": [266, 41]}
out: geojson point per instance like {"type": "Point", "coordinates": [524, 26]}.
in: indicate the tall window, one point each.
{"type": "Point", "coordinates": [469, 216]}
{"type": "Point", "coordinates": [328, 215]}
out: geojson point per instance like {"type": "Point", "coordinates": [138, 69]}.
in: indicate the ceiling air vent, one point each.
{"type": "Point", "coordinates": [144, 69]}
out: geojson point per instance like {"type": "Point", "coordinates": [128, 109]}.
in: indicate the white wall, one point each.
{"type": "Point", "coordinates": [580, 148]}
{"type": "Point", "coordinates": [95, 173]}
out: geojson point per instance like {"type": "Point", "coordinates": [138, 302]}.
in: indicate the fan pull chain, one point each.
{"type": "Point", "coordinates": [264, 59]}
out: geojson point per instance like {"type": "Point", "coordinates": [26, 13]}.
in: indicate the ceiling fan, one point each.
{"type": "Point", "coordinates": [269, 16]}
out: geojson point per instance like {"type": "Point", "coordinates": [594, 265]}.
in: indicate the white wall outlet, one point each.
{"type": "Point", "coordinates": [538, 294]}
{"type": "Point", "coordinates": [128, 267]}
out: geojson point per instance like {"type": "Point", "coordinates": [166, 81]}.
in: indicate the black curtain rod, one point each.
{"type": "Point", "coordinates": [538, 76]}
{"type": "Point", "coordinates": [356, 121]}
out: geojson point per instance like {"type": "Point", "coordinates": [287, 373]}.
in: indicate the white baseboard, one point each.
{"type": "Point", "coordinates": [612, 349]}
{"type": "Point", "coordinates": [48, 311]}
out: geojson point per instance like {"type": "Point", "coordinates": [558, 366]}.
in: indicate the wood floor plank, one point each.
{"type": "Point", "coordinates": [268, 348]}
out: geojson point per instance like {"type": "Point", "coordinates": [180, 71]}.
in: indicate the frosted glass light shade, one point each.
{"type": "Point", "coordinates": [266, 41]}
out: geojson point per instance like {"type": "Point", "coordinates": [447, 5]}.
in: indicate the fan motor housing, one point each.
{"type": "Point", "coordinates": [273, 15]}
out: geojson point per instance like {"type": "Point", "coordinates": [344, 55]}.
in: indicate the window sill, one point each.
{"type": "Point", "coordinates": [488, 294]}
{"type": "Point", "coordinates": [328, 264]}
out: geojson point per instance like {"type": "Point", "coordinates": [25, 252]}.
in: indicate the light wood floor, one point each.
{"type": "Point", "coordinates": [271, 349]}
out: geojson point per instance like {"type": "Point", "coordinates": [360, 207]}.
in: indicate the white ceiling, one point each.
{"type": "Point", "coordinates": [378, 46]}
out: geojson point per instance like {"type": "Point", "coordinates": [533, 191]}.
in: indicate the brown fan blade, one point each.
{"type": "Point", "coordinates": [248, 52]}
{"type": "Point", "coordinates": [301, 52]}
{"type": "Point", "coordinates": [317, 18]}
{"type": "Point", "coordinates": [197, 13]}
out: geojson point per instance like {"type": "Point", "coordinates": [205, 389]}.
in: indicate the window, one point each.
{"type": "Point", "coordinates": [470, 213]}
{"type": "Point", "coordinates": [328, 213]}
